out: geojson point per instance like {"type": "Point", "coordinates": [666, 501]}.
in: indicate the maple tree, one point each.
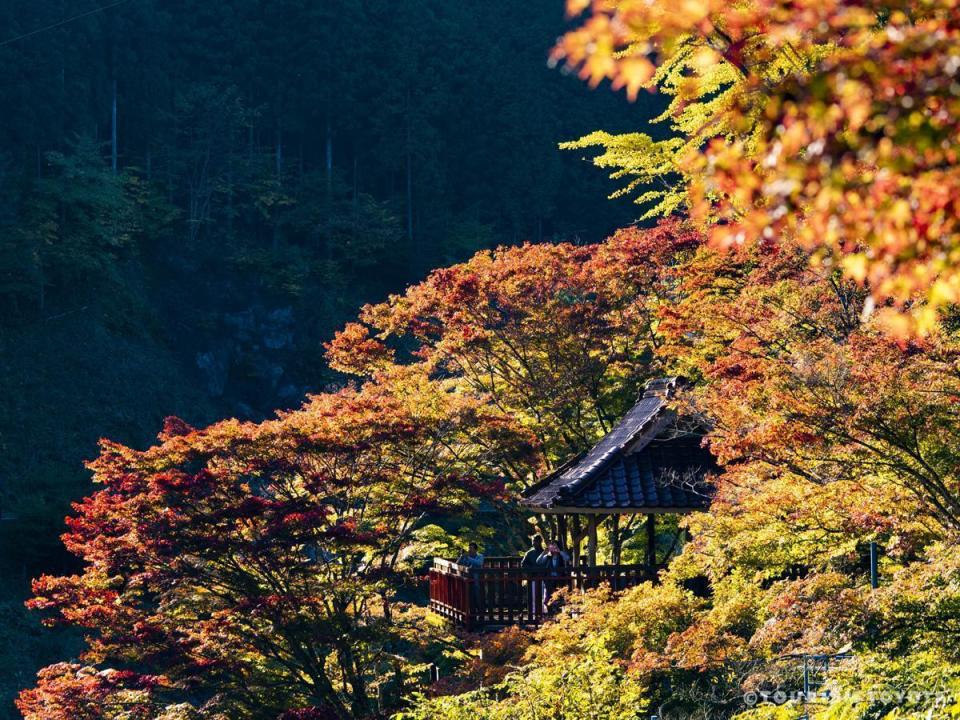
{"type": "Point", "coordinates": [833, 435]}
{"type": "Point", "coordinates": [794, 381]}
{"type": "Point", "coordinates": [558, 336]}
{"type": "Point", "coordinates": [829, 124]}
{"type": "Point", "coordinates": [255, 568]}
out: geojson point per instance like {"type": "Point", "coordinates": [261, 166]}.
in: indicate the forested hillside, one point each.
{"type": "Point", "coordinates": [194, 195]}
{"type": "Point", "coordinates": [336, 246]}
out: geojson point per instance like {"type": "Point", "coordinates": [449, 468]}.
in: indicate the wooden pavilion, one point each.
{"type": "Point", "coordinates": [651, 463]}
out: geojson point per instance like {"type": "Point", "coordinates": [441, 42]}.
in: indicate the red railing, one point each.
{"type": "Point", "coordinates": [502, 593]}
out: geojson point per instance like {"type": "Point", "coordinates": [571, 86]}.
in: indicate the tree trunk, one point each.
{"type": "Point", "coordinates": [278, 153]}
{"type": "Point", "coordinates": [113, 130]}
{"type": "Point", "coordinates": [325, 694]}
{"type": "Point", "coordinates": [230, 195]}
{"type": "Point", "coordinates": [360, 703]}
{"type": "Point", "coordinates": [42, 287]}
{"type": "Point", "coordinates": [329, 161]}
{"type": "Point", "coordinates": [355, 200]}
{"type": "Point", "coordinates": [278, 157]}
{"type": "Point", "coordinates": [409, 150]}
{"type": "Point", "coordinates": [576, 536]}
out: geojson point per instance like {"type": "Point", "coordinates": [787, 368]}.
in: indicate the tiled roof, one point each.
{"type": "Point", "coordinates": [643, 464]}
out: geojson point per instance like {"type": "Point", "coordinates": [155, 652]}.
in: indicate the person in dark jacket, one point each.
{"type": "Point", "coordinates": [531, 556]}
{"type": "Point", "coordinates": [554, 559]}
{"type": "Point", "coordinates": [530, 561]}
{"type": "Point", "coordinates": [472, 558]}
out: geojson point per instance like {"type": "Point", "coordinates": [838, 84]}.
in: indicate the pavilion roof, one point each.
{"type": "Point", "coordinates": [646, 464]}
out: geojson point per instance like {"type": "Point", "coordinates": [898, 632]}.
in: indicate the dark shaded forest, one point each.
{"type": "Point", "coordinates": [195, 195]}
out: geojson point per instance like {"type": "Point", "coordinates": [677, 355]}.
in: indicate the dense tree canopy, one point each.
{"type": "Point", "coordinates": [559, 336]}
{"type": "Point", "coordinates": [273, 167]}
{"type": "Point", "coordinates": [305, 143]}
{"type": "Point", "coordinates": [833, 435]}
{"type": "Point", "coordinates": [814, 410]}
{"type": "Point", "coordinates": [274, 555]}
{"type": "Point", "coordinates": [255, 569]}
{"type": "Point", "coordinates": [827, 124]}
{"type": "Point", "coordinates": [268, 569]}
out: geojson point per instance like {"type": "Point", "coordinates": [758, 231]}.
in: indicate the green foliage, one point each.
{"type": "Point", "coordinates": [913, 686]}
{"type": "Point", "coordinates": [649, 165]}
{"type": "Point", "coordinates": [223, 207]}
{"type": "Point", "coordinates": [833, 435]}
{"type": "Point", "coordinates": [595, 687]}
{"type": "Point", "coordinates": [877, 686]}
{"type": "Point", "coordinates": [700, 72]}
{"type": "Point", "coordinates": [77, 227]}
{"type": "Point", "coordinates": [435, 541]}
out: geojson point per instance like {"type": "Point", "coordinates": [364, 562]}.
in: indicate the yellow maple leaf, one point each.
{"type": "Point", "coordinates": [633, 73]}
{"type": "Point", "coordinates": [597, 67]}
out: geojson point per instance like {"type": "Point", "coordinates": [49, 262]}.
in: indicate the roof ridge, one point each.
{"type": "Point", "coordinates": [572, 476]}
{"type": "Point", "coordinates": [663, 387]}
{"type": "Point", "coordinates": [632, 433]}
{"type": "Point", "coordinates": [588, 467]}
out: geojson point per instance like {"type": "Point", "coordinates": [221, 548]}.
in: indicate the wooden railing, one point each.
{"type": "Point", "coordinates": [502, 593]}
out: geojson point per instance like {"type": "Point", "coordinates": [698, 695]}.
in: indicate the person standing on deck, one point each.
{"type": "Point", "coordinates": [555, 559]}
{"type": "Point", "coordinates": [530, 561]}
{"type": "Point", "coordinates": [472, 558]}
{"type": "Point", "coordinates": [531, 556]}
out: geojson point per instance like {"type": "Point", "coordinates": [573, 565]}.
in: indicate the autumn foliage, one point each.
{"type": "Point", "coordinates": [255, 568]}
{"type": "Point", "coordinates": [833, 435]}
{"type": "Point", "coordinates": [560, 337]}
{"type": "Point", "coordinates": [828, 124]}
{"type": "Point", "coordinates": [263, 570]}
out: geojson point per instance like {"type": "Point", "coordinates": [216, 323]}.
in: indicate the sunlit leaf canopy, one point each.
{"type": "Point", "coordinates": [259, 570]}
{"type": "Point", "coordinates": [258, 567]}
{"type": "Point", "coordinates": [833, 434]}
{"type": "Point", "coordinates": [560, 337]}
{"type": "Point", "coordinates": [832, 124]}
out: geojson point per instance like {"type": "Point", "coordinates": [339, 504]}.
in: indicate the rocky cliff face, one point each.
{"type": "Point", "coordinates": [250, 362]}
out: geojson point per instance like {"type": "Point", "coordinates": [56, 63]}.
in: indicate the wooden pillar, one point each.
{"type": "Point", "coordinates": [592, 540]}
{"type": "Point", "coordinates": [651, 542]}
{"type": "Point", "coordinates": [614, 539]}
{"type": "Point", "coordinates": [562, 531]}
{"type": "Point", "coordinates": [576, 535]}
